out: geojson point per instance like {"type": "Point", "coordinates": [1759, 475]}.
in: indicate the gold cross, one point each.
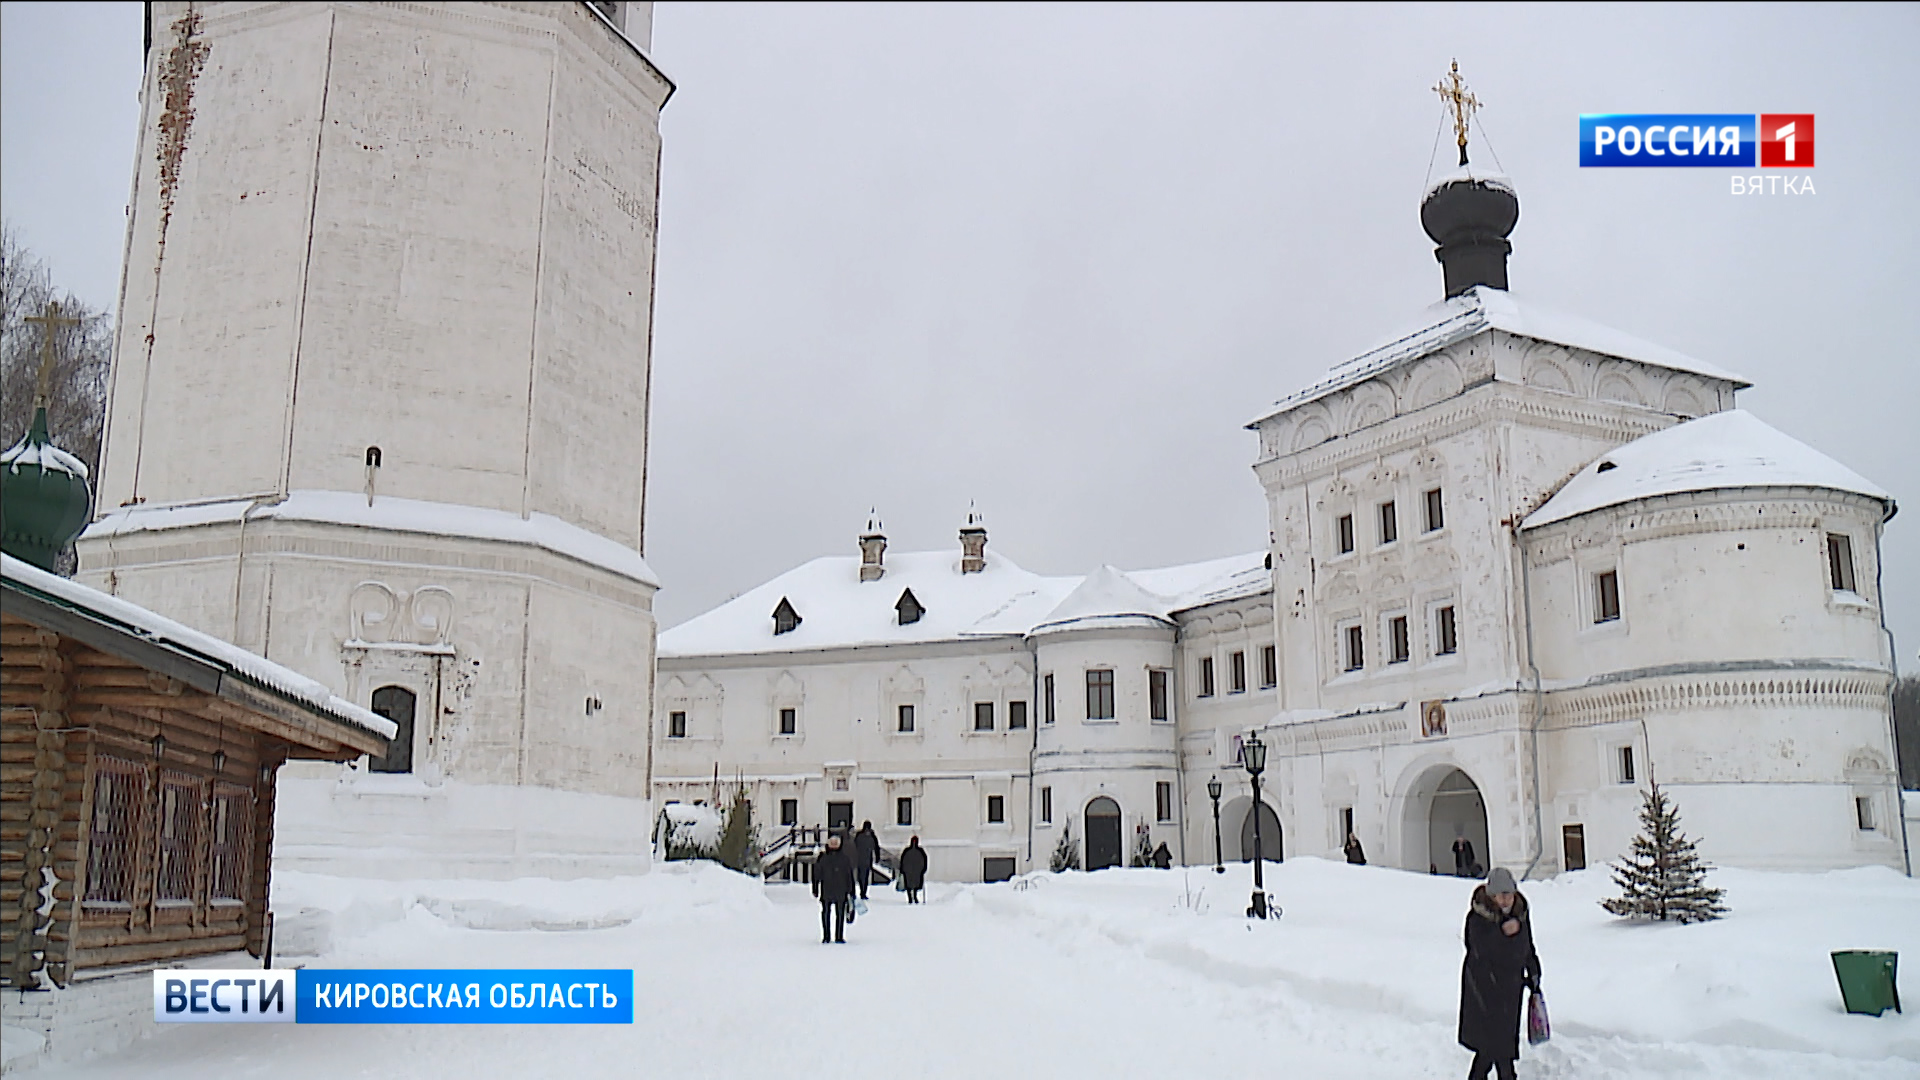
{"type": "Point", "coordinates": [50, 325]}
{"type": "Point", "coordinates": [1453, 92]}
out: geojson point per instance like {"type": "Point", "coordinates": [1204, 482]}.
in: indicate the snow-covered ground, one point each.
{"type": "Point", "coordinates": [1118, 974]}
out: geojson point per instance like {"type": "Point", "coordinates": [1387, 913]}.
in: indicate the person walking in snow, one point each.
{"type": "Point", "coordinates": [1162, 858]}
{"type": "Point", "coordinates": [833, 884]}
{"type": "Point", "coordinates": [913, 869]}
{"type": "Point", "coordinates": [1500, 964]}
{"type": "Point", "coordinates": [1462, 856]}
{"type": "Point", "coordinates": [1356, 854]}
{"type": "Point", "coordinates": [866, 848]}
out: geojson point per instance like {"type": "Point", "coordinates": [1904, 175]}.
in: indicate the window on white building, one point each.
{"type": "Point", "coordinates": [1237, 672]}
{"type": "Point", "coordinates": [1163, 800]}
{"type": "Point", "coordinates": [1436, 511]}
{"type": "Point", "coordinates": [1100, 694]}
{"type": "Point", "coordinates": [789, 811]}
{"type": "Point", "coordinates": [1046, 805]}
{"type": "Point", "coordinates": [676, 725]}
{"type": "Point", "coordinates": [996, 809]}
{"type": "Point", "coordinates": [1863, 812]}
{"type": "Point", "coordinates": [1445, 643]}
{"type": "Point", "coordinates": [1399, 644]}
{"type": "Point", "coordinates": [1156, 694]}
{"type": "Point", "coordinates": [1269, 667]}
{"type": "Point", "coordinates": [1389, 523]}
{"type": "Point", "coordinates": [1355, 640]}
{"type": "Point", "coordinates": [903, 810]}
{"type": "Point", "coordinates": [1606, 596]}
{"type": "Point", "coordinates": [1343, 532]}
{"type": "Point", "coordinates": [789, 721]}
{"type": "Point", "coordinates": [1048, 689]}
{"type": "Point", "coordinates": [1346, 823]}
{"type": "Point", "coordinates": [1840, 562]}
{"type": "Point", "coordinates": [1206, 676]}
{"type": "Point", "coordinates": [983, 716]}
{"type": "Point", "coordinates": [1016, 716]}
{"type": "Point", "coordinates": [906, 719]}
{"type": "Point", "coordinates": [1623, 769]}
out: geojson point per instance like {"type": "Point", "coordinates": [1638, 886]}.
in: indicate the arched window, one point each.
{"type": "Point", "coordinates": [396, 703]}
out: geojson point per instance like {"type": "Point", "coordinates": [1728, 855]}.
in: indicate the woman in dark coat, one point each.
{"type": "Point", "coordinates": [1499, 967]}
{"type": "Point", "coordinates": [833, 884]}
{"type": "Point", "coordinates": [913, 869]}
{"type": "Point", "coordinates": [1356, 854]}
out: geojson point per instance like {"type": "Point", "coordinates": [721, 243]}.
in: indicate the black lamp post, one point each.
{"type": "Point", "coordinates": [1254, 756]}
{"type": "Point", "coordinates": [1213, 792]}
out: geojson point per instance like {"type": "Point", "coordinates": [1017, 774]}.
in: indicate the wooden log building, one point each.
{"type": "Point", "coordinates": [137, 765]}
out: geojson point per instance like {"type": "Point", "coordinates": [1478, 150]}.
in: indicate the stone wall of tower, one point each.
{"type": "Point", "coordinates": [426, 228]}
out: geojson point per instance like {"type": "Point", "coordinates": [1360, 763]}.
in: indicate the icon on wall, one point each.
{"type": "Point", "coordinates": [1433, 719]}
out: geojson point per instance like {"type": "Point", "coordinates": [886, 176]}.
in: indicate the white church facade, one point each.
{"type": "Point", "coordinates": [379, 404]}
{"type": "Point", "coordinates": [1521, 566]}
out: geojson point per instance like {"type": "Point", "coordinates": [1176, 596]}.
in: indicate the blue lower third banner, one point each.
{"type": "Point", "coordinates": [394, 996]}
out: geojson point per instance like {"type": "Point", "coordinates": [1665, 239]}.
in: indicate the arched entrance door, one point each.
{"type": "Point", "coordinates": [1270, 845]}
{"type": "Point", "coordinates": [1103, 833]}
{"type": "Point", "coordinates": [1445, 807]}
{"type": "Point", "coordinates": [396, 703]}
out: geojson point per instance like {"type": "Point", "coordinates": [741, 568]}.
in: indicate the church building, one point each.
{"type": "Point", "coordinates": [1522, 565]}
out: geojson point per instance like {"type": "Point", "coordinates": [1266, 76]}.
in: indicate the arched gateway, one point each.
{"type": "Point", "coordinates": [1443, 806]}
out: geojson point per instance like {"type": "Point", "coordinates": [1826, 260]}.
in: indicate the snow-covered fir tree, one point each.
{"type": "Point", "coordinates": [1066, 853]}
{"type": "Point", "coordinates": [1664, 878]}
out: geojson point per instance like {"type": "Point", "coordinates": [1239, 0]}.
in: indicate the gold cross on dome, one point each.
{"type": "Point", "coordinates": [1455, 95]}
{"type": "Point", "coordinates": [50, 324]}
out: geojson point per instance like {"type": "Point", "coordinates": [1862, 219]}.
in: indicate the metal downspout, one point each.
{"type": "Point", "coordinates": [1539, 703]}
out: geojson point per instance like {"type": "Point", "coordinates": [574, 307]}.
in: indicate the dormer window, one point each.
{"type": "Point", "coordinates": [784, 617]}
{"type": "Point", "coordinates": [909, 608]}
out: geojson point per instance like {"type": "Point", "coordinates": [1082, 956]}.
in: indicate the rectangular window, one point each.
{"type": "Point", "coordinates": [119, 793]}
{"type": "Point", "coordinates": [1573, 844]}
{"type": "Point", "coordinates": [983, 716]}
{"type": "Point", "coordinates": [1046, 805]}
{"type": "Point", "coordinates": [789, 721]}
{"type": "Point", "coordinates": [1436, 511]}
{"type": "Point", "coordinates": [1269, 667]}
{"type": "Point", "coordinates": [232, 843]}
{"type": "Point", "coordinates": [1389, 523]}
{"type": "Point", "coordinates": [1444, 641]}
{"type": "Point", "coordinates": [1863, 812]}
{"type": "Point", "coordinates": [1400, 646]}
{"type": "Point", "coordinates": [1356, 643]}
{"type": "Point", "coordinates": [179, 838]}
{"type": "Point", "coordinates": [1016, 716]}
{"type": "Point", "coordinates": [1100, 694]}
{"type": "Point", "coordinates": [1346, 823]}
{"type": "Point", "coordinates": [789, 811]}
{"type": "Point", "coordinates": [1840, 562]}
{"type": "Point", "coordinates": [1048, 705]}
{"type": "Point", "coordinates": [1206, 676]}
{"type": "Point", "coordinates": [1163, 800]}
{"type": "Point", "coordinates": [903, 810]}
{"type": "Point", "coordinates": [1237, 672]}
{"type": "Point", "coordinates": [1156, 694]}
{"type": "Point", "coordinates": [1626, 765]}
{"type": "Point", "coordinates": [676, 725]}
{"type": "Point", "coordinates": [1343, 530]}
{"type": "Point", "coordinates": [1606, 597]}
{"type": "Point", "coordinates": [997, 868]}
{"type": "Point", "coordinates": [996, 809]}
{"type": "Point", "coordinates": [906, 719]}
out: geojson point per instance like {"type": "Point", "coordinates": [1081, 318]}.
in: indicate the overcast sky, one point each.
{"type": "Point", "coordinates": [1052, 259]}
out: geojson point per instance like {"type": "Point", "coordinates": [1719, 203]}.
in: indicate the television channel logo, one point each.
{"type": "Point", "coordinates": [214, 996]}
{"type": "Point", "coordinates": [1696, 140]}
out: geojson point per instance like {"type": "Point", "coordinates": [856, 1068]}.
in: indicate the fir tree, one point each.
{"type": "Point", "coordinates": [739, 840]}
{"type": "Point", "coordinates": [1066, 853]}
{"type": "Point", "coordinates": [1664, 877]}
{"type": "Point", "coordinates": [1143, 849]}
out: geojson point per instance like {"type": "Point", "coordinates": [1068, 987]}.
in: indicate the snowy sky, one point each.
{"type": "Point", "coordinates": [1052, 258]}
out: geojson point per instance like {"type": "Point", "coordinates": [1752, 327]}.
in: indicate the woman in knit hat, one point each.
{"type": "Point", "coordinates": [1499, 967]}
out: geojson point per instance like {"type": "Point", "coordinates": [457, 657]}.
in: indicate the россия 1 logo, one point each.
{"type": "Point", "coordinates": [1696, 140]}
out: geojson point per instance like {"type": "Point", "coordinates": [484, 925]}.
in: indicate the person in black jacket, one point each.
{"type": "Point", "coordinates": [1500, 964]}
{"type": "Point", "coordinates": [833, 884]}
{"type": "Point", "coordinates": [866, 848]}
{"type": "Point", "coordinates": [1462, 855]}
{"type": "Point", "coordinates": [1356, 854]}
{"type": "Point", "coordinates": [913, 869]}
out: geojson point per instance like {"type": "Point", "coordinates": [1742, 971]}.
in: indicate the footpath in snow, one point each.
{"type": "Point", "coordinates": [1124, 973]}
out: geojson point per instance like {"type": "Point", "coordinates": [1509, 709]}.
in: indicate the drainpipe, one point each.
{"type": "Point", "coordinates": [1539, 702]}
{"type": "Point", "coordinates": [1035, 717]}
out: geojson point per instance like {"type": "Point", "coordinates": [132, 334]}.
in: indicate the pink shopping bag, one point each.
{"type": "Point", "coordinates": [1539, 1030]}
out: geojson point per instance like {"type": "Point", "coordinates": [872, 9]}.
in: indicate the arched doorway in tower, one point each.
{"type": "Point", "coordinates": [1271, 847]}
{"type": "Point", "coordinates": [1444, 806]}
{"type": "Point", "coordinates": [396, 703]}
{"type": "Point", "coordinates": [1103, 833]}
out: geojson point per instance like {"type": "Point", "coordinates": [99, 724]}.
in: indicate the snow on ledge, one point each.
{"type": "Point", "coordinates": [395, 515]}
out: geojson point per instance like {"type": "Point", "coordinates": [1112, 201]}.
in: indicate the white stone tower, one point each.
{"type": "Point", "coordinates": [380, 390]}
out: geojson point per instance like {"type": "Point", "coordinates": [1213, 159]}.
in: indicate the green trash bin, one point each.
{"type": "Point", "coordinates": [1867, 980]}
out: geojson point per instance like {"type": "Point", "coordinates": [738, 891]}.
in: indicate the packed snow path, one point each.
{"type": "Point", "coordinates": [1118, 974]}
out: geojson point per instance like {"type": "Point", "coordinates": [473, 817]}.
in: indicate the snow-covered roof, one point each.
{"type": "Point", "coordinates": [395, 514]}
{"type": "Point", "coordinates": [1732, 449]}
{"type": "Point", "coordinates": [141, 623]}
{"type": "Point", "coordinates": [838, 610]}
{"type": "Point", "coordinates": [1481, 309]}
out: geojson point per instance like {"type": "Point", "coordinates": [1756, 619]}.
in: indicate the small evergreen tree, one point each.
{"type": "Point", "coordinates": [740, 840]}
{"type": "Point", "coordinates": [1143, 849]}
{"type": "Point", "coordinates": [1664, 877]}
{"type": "Point", "coordinates": [1066, 853]}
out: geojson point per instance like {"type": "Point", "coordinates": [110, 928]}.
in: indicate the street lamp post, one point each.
{"type": "Point", "coordinates": [1254, 756]}
{"type": "Point", "coordinates": [1213, 792]}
